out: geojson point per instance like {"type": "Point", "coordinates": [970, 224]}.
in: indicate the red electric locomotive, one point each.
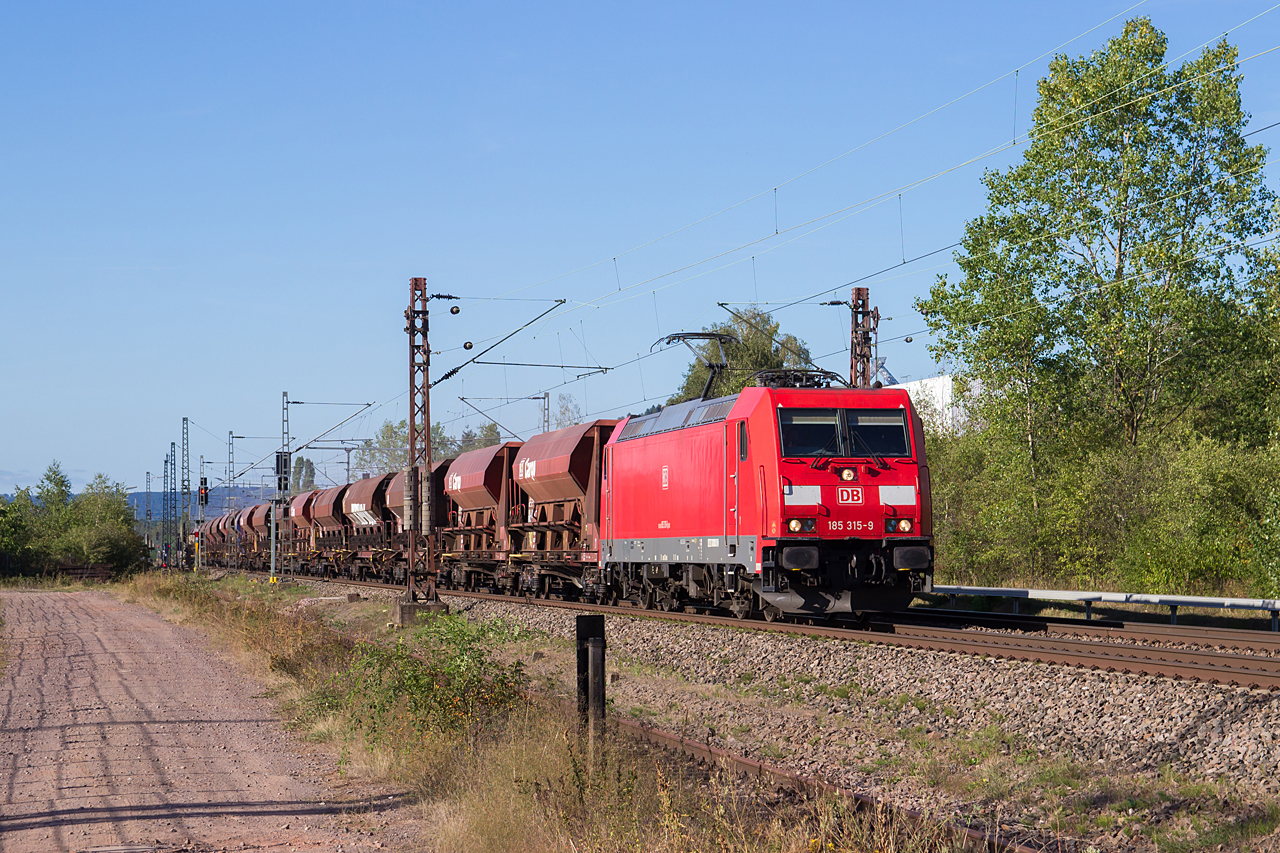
{"type": "Point", "coordinates": [789, 500]}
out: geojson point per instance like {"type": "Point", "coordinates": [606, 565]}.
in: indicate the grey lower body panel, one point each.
{"type": "Point", "coordinates": [740, 550]}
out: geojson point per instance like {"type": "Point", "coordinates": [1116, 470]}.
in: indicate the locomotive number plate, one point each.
{"type": "Point", "coordinates": [851, 526]}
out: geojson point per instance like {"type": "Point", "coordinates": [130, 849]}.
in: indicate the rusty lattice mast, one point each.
{"type": "Point", "coordinates": [863, 324]}
{"type": "Point", "coordinates": [417, 481]}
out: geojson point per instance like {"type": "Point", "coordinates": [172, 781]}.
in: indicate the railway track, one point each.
{"type": "Point", "coordinates": [1114, 647]}
{"type": "Point", "coordinates": [1107, 629]}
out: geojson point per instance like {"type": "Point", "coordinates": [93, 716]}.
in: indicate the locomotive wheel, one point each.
{"type": "Point", "coordinates": [772, 614]}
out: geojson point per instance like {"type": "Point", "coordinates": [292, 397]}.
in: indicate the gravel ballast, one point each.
{"type": "Point", "coordinates": [837, 709]}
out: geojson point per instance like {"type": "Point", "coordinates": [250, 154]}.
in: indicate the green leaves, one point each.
{"type": "Point", "coordinates": [389, 451]}
{"type": "Point", "coordinates": [95, 527]}
{"type": "Point", "coordinates": [1102, 271]}
{"type": "Point", "coordinates": [1118, 332]}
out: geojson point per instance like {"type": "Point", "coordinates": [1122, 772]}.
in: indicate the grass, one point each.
{"type": "Point", "coordinates": [46, 583]}
{"type": "Point", "coordinates": [515, 776]}
{"type": "Point", "coordinates": [439, 713]}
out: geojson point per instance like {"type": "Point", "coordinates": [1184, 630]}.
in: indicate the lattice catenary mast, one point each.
{"type": "Point", "coordinates": [420, 557]}
{"type": "Point", "coordinates": [176, 549]}
{"type": "Point", "coordinates": [186, 492]}
{"type": "Point", "coordinates": [862, 326]}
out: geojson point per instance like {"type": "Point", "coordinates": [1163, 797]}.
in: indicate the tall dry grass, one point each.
{"type": "Point", "coordinates": [492, 771]}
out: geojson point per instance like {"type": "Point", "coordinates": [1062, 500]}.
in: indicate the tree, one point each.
{"type": "Point", "coordinates": [37, 531]}
{"type": "Point", "coordinates": [761, 347]}
{"type": "Point", "coordinates": [487, 436]}
{"type": "Point", "coordinates": [1107, 268]}
{"type": "Point", "coordinates": [304, 475]}
{"type": "Point", "coordinates": [101, 529]}
{"type": "Point", "coordinates": [389, 450]}
{"type": "Point", "coordinates": [569, 412]}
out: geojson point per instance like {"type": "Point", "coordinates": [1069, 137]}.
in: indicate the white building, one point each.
{"type": "Point", "coordinates": [935, 400]}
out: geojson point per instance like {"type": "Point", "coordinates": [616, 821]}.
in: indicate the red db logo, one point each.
{"type": "Point", "coordinates": [849, 495]}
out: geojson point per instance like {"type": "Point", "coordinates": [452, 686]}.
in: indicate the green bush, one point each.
{"type": "Point", "coordinates": [1185, 515]}
{"type": "Point", "coordinates": [444, 683]}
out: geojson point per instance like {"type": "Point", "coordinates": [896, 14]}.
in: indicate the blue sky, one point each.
{"type": "Point", "coordinates": [204, 205]}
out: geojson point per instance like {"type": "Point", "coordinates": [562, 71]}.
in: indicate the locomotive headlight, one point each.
{"type": "Point", "coordinates": [904, 525]}
{"type": "Point", "coordinates": [809, 524]}
{"type": "Point", "coordinates": [794, 525]}
{"type": "Point", "coordinates": [848, 474]}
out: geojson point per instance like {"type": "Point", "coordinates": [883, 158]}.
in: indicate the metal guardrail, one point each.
{"type": "Point", "coordinates": [1173, 602]}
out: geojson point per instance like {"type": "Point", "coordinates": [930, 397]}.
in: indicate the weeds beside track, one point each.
{"type": "Point", "coordinates": [492, 771]}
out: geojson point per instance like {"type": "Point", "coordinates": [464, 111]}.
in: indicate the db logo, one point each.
{"type": "Point", "coordinates": [849, 495]}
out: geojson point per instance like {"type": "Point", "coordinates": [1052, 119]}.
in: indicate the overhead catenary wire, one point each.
{"type": "Point", "coordinates": [871, 201]}
{"type": "Point", "coordinates": [922, 181]}
{"type": "Point", "coordinates": [906, 187]}
{"type": "Point", "coordinates": [840, 156]}
{"type": "Point", "coordinates": [495, 423]}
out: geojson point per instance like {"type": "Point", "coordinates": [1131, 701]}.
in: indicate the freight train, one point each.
{"type": "Point", "coordinates": [780, 500]}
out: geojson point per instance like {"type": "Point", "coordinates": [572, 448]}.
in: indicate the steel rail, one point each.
{"type": "Point", "coordinates": [1215, 667]}
{"type": "Point", "coordinates": [1114, 629]}
{"type": "Point", "coordinates": [1251, 671]}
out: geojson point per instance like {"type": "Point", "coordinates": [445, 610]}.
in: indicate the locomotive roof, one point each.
{"type": "Point", "coordinates": [679, 416]}
{"type": "Point", "coordinates": [699, 412]}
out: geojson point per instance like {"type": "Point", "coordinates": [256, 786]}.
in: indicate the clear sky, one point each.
{"type": "Point", "coordinates": [205, 204]}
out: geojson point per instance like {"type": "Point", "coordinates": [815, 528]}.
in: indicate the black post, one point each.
{"type": "Point", "coordinates": [595, 677]}
{"type": "Point", "coordinates": [590, 627]}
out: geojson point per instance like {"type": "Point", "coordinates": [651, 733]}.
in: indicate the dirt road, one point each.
{"type": "Point", "coordinates": [119, 728]}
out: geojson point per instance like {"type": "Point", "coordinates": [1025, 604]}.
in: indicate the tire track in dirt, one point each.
{"type": "Point", "coordinates": [120, 728]}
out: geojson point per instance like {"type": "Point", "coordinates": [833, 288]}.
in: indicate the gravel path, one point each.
{"type": "Point", "coordinates": [120, 728]}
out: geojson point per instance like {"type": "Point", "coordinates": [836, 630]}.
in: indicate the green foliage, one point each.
{"type": "Point", "coordinates": [389, 450]}
{"type": "Point", "coordinates": [448, 684]}
{"type": "Point", "coordinates": [1104, 285]}
{"type": "Point", "coordinates": [304, 475]}
{"type": "Point", "coordinates": [760, 347]}
{"type": "Point", "coordinates": [1116, 341]}
{"type": "Point", "coordinates": [1188, 514]}
{"type": "Point", "coordinates": [51, 526]}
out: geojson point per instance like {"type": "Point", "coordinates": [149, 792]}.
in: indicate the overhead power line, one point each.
{"type": "Point", "coordinates": [774, 188]}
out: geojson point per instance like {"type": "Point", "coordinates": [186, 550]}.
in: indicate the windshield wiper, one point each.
{"type": "Point", "coordinates": [822, 454]}
{"type": "Point", "coordinates": [875, 457]}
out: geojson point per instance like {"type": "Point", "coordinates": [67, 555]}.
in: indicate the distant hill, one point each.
{"type": "Point", "coordinates": [219, 500]}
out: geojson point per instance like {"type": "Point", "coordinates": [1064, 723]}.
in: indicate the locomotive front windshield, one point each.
{"type": "Point", "coordinates": [844, 433]}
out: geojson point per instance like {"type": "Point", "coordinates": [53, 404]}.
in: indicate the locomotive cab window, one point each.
{"type": "Point", "coordinates": [879, 431]}
{"type": "Point", "coordinates": [742, 440]}
{"type": "Point", "coordinates": [810, 432]}
{"type": "Point", "coordinates": [846, 433]}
